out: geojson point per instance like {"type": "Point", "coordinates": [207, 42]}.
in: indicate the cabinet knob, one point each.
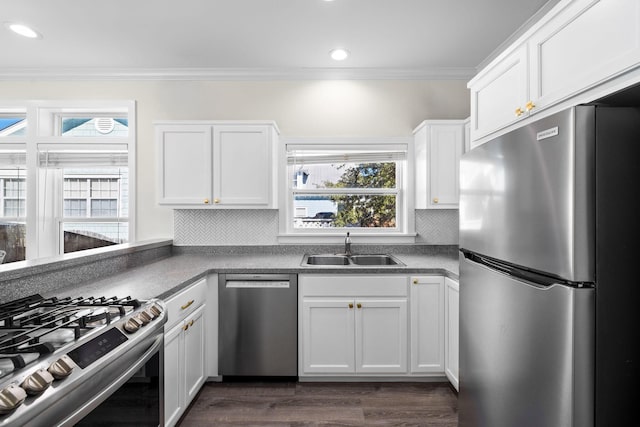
{"type": "Point", "coordinates": [530, 106]}
{"type": "Point", "coordinates": [519, 112]}
{"type": "Point", "coordinates": [436, 200]}
{"type": "Point", "coordinates": [206, 201]}
{"type": "Point", "coordinates": [415, 281]}
{"type": "Point", "coordinates": [359, 305]}
{"type": "Point", "coordinates": [350, 305]}
{"type": "Point", "coordinates": [216, 200]}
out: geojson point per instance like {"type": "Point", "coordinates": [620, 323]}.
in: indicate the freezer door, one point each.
{"type": "Point", "coordinates": [527, 197]}
{"type": "Point", "coordinates": [526, 352]}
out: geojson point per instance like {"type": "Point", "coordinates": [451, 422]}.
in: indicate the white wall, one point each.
{"type": "Point", "coordinates": [300, 108]}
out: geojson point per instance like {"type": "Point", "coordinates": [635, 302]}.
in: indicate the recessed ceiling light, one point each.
{"type": "Point", "coordinates": [23, 30]}
{"type": "Point", "coordinates": [339, 54]}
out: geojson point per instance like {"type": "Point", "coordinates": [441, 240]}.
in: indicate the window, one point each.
{"type": "Point", "coordinates": [13, 124]}
{"type": "Point", "coordinates": [13, 199]}
{"type": "Point", "coordinates": [338, 187]}
{"type": "Point", "coordinates": [96, 198]}
{"type": "Point", "coordinates": [83, 154]}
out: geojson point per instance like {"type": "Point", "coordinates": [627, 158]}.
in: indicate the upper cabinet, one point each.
{"type": "Point", "coordinates": [499, 94]}
{"type": "Point", "coordinates": [438, 147]}
{"type": "Point", "coordinates": [585, 43]}
{"type": "Point", "coordinates": [217, 164]}
{"type": "Point", "coordinates": [567, 56]}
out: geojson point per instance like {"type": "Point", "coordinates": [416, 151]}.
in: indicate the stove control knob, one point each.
{"type": "Point", "coordinates": [155, 310]}
{"type": "Point", "coordinates": [144, 317]}
{"type": "Point", "coordinates": [132, 325]}
{"type": "Point", "coordinates": [62, 367]}
{"type": "Point", "coordinates": [37, 382]}
{"type": "Point", "coordinates": [11, 397]}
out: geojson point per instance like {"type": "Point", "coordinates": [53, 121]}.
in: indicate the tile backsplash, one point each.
{"type": "Point", "coordinates": [237, 227]}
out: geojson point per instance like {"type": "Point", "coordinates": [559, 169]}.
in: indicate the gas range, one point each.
{"type": "Point", "coordinates": [61, 357]}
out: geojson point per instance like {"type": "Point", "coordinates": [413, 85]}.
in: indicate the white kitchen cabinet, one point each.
{"type": "Point", "coordinates": [438, 147]}
{"type": "Point", "coordinates": [184, 164]}
{"type": "Point", "coordinates": [427, 324]}
{"type": "Point", "coordinates": [467, 135]}
{"type": "Point", "coordinates": [352, 324]}
{"type": "Point", "coordinates": [194, 345]}
{"type": "Point", "coordinates": [173, 374]}
{"type": "Point", "coordinates": [499, 94]}
{"type": "Point", "coordinates": [452, 330]}
{"type": "Point", "coordinates": [381, 335]}
{"type": "Point", "coordinates": [184, 349]}
{"type": "Point", "coordinates": [223, 165]}
{"type": "Point", "coordinates": [571, 54]}
{"type": "Point", "coordinates": [328, 336]}
{"type": "Point", "coordinates": [585, 43]}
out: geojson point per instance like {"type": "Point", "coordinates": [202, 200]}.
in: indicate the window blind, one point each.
{"type": "Point", "coordinates": [64, 159]}
{"type": "Point", "coordinates": [12, 158]}
{"type": "Point", "coordinates": [297, 154]}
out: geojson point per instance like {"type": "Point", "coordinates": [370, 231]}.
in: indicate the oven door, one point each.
{"type": "Point", "coordinates": [135, 397]}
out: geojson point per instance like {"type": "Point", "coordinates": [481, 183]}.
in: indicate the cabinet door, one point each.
{"type": "Point", "coordinates": [184, 164]}
{"type": "Point", "coordinates": [242, 165]}
{"type": "Point", "coordinates": [427, 324]}
{"type": "Point", "coordinates": [497, 94]}
{"type": "Point", "coordinates": [173, 374]}
{"type": "Point", "coordinates": [587, 43]}
{"type": "Point", "coordinates": [445, 149]}
{"type": "Point", "coordinates": [194, 344]}
{"type": "Point", "coordinates": [467, 135]}
{"type": "Point", "coordinates": [381, 336]}
{"type": "Point", "coordinates": [451, 327]}
{"type": "Point", "coordinates": [328, 336]}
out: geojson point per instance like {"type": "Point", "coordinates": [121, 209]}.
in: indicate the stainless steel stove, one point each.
{"type": "Point", "coordinates": [61, 360]}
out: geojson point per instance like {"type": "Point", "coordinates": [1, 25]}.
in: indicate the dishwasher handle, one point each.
{"type": "Point", "coordinates": [245, 284]}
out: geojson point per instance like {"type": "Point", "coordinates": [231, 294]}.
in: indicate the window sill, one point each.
{"type": "Point", "coordinates": [334, 238]}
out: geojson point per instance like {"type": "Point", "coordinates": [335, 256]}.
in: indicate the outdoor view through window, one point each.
{"type": "Point", "coordinates": [348, 188]}
{"type": "Point", "coordinates": [82, 179]}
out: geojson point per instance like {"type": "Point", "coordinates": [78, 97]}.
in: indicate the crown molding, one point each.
{"type": "Point", "coordinates": [60, 74]}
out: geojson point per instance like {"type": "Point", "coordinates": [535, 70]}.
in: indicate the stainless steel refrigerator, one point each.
{"type": "Point", "coordinates": [549, 301]}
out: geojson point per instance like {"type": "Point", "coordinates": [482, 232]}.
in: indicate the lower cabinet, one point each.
{"type": "Point", "coordinates": [353, 325]}
{"type": "Point", "coordinates": [452, 328]}
{"type": "Point", "coordinates": [377, 325]}
{"type": "Point", "coordinates": [427, 324]}
{"type": "Point", "coordinates": [184, 350]}
{"type": "Point", "coordinates": [183, 365]}
{"type": "Point", "coordinates": [360, 335]}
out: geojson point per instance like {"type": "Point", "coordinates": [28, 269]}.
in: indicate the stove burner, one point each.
{"type": "Point", "coordinates": [41, 325]}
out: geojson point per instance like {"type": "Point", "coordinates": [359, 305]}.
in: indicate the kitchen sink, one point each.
{"type": "Point", "coordinates": [333, 260]}
{"type": "Point", "coordinates": [325, 260]}
{"type": "Point", "coordinates": [374, 260]}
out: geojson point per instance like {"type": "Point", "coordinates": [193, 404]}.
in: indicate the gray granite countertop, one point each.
{"type": "Point", "coordinates": [164, 277]}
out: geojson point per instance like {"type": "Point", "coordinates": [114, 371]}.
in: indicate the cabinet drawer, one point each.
{"type": "Point", "coordinates": [353, 285]}
{"type": "Point", "coordinates": [182, 304]}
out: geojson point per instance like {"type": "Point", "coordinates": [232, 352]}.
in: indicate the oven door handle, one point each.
{"type": "Point", "coordinates": [90, 405]}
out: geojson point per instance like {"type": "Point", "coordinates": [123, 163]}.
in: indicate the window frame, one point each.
{"type": "Point", "coordinates": [44, 237]}
{"type": "Point", "coordinates": [404, 232]}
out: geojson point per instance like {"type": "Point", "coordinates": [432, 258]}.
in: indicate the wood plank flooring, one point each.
{"type": "Point", "coordinates": [291, 404]}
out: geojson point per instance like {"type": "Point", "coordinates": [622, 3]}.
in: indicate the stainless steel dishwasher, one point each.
{"type": "Point", "coordinates": [258, 325]}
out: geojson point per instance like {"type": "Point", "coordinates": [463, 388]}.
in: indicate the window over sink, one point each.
{"type": "Point", "coordinates": [356, 185]}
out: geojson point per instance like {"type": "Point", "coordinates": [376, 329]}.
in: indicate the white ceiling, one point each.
{"type": "Point", "coordinates": [410, 38]}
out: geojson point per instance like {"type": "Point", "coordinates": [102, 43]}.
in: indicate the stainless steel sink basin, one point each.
{"type": "Point", "coordinates": [326, 260]}
{"type": "Point", "coordinates": [333, 260]}
{"type": "Point", "coordinates": [374, 260]}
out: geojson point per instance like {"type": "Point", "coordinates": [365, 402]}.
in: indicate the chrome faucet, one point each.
{"type": "Point", "coordinates": [347, 245]}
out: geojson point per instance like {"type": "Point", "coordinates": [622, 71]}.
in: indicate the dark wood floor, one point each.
{"type": "Point", "coordinates": [292, 404]}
